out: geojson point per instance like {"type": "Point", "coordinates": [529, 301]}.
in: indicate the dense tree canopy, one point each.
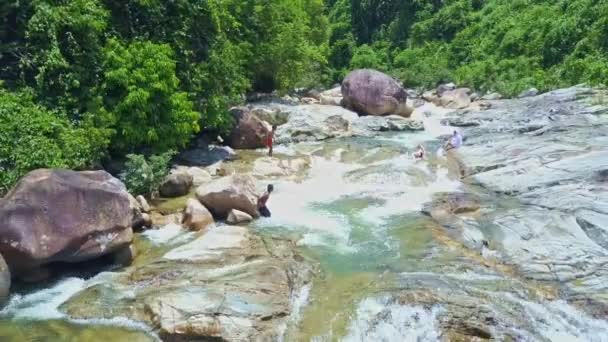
{"type": "Point", "coordinates": [503, 45]}
{"type": "Point", "coordinates": [103, 78]}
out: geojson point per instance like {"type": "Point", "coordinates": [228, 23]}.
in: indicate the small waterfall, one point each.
{"type": "Point", "coordinates": [379, 319]}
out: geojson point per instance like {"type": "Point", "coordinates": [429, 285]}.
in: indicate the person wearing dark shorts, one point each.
{"type": "Point", "coordinates": [262, 208]}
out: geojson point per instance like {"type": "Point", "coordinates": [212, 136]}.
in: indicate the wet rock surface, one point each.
{"type": "Point", "coordinates": [391, 123]}
{"type": "Point", "coordinates": [227, 285]}
{"type": "Point", "coordinates": [543, 158]}
{"type": "Point", "coordinates": [315, 122]}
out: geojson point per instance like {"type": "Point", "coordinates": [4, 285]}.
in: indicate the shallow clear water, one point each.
{"type": "Point", "coordinates": [388, 273]}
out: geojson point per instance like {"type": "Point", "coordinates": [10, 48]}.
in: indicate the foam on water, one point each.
{"type": "Point", "coordinates": [431, 117]}
{"type": "Point", "coordinates": [43, 304]}
{"type": "Point", "coordinates": [298, 299]}
{"type": "Point", "coordinates": [302, 206]}
{"type": "Point", "coordinates": [559, 321]}
{"type": "Point", "coordinates": [168, 234]}
{"type": "Point", "coordinates": [378, 319]}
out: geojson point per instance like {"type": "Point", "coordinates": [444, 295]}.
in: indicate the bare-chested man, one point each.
{"type": "Point", "coordinates": [262, 209]}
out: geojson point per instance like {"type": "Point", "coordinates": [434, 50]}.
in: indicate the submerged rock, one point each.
{"type": "Point", "coordinates": [63, 216]}
{"type": "Point", "coordinates": [228, 285]}
{"type": "Point", "coordinates": [371, 92]}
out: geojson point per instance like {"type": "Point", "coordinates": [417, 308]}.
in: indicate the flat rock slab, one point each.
{"type": "Point", "coordinates": [227, 284]}
{"type": "Point", "coordinates": [545, 158]}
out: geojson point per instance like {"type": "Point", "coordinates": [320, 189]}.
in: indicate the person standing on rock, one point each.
{"type": "Point", "coordinates": [262, 208]}
{"type": "Point", "coordinates": [454, 142]}
{"type": "Point", "coordinates": [270, 140]}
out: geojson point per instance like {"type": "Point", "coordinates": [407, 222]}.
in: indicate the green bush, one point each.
{"type": "Point", "coordinates": [32, 137]}
{"type": "Point", "coordinates": [371, 57]}
{"type": "Point", "coordinates": [141, 92]}
{"type": "Point", "coordinates": [426, 66]}
{"type": "Point", "coordinates": [143, 176]}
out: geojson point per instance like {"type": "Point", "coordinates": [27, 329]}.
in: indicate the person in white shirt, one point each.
{"type": "Point", "coordinates": [454, 142]}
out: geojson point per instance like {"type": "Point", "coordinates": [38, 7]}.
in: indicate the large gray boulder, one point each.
{"type": "Point", "coordinates": [227, 193]}
{"type": "Point", "coordinates": [63, 216]}
{"type": "Point", "coordinates": [371, 92]}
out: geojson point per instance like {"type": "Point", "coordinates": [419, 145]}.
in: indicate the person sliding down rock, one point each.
{"type": "Point", "coordinates": [262, 209]}
{"type": "Point", "coordinates": [419, 154]}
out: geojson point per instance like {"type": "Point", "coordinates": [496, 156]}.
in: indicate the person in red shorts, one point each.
{"type": "Point", "coordinates": [270, 140]}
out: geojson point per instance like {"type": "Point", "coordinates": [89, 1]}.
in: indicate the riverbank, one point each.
{"type": "Point", "coordinates": [366, 243]}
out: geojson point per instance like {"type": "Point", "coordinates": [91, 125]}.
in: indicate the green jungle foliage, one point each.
{"type": "Point", "coordinates": [142, 175]}
{"type": "Point", "coordinates": [95, 79]}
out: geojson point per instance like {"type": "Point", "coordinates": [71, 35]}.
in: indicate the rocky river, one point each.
{"type": "Point", "coordinates": [503, 239]}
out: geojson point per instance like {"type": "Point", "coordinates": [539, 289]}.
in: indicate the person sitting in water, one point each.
{"type": "Point", "coordinates": [419, 154]}
{"type": "Point", "coordinates": [270, 140]}
{"type": "Point", "coordinates": [262, 209]}
{"type": "Point", "coordinates": [454, 142]}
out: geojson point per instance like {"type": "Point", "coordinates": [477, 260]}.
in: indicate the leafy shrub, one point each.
{"type": "Point", "coordinates": [140, 91]}
{"type": "Point", "coordinates": [32, 137]}
{"type": "Point", "coordinates": [426, 66]}
{"type": "Point", "coordinates": [142, 175]}
{"type": "Point", "coordinates": [371, 57]}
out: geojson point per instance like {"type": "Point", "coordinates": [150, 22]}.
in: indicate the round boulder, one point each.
{"type": "Point", "coordinates": [227, 193]}
{"type": "Point", "coordinates": [63, 216]}
{"type": "Point", "coordinates": [249, 131]}
{"type": "Point", "coordinates": [176, 185]}
{"type": "Point", "coordinates": [196, 216]}
{"type": "Point", "coordinates": [370, 92]}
